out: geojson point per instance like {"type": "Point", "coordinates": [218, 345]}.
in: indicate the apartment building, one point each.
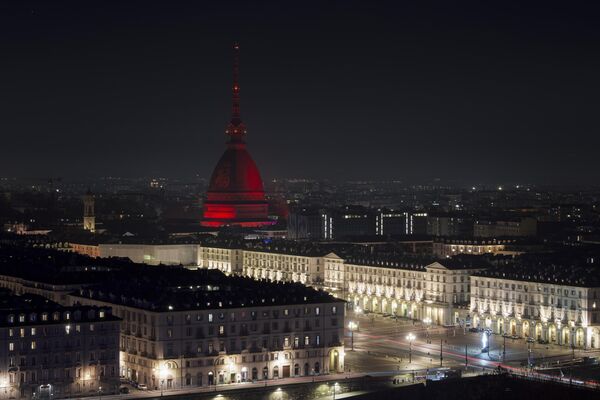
{"type": "Point", "coordinates": [416, 288]}
{"type": "Point", "coordinates": [187, 327]}
{"type": "Point", "coordinates": [52, 351]}
{"type": "Point", "coordinates": [558, 304]}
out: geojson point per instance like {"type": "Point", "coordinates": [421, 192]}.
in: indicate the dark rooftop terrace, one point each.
{"type": "Point", "coordinates": [175, 288]}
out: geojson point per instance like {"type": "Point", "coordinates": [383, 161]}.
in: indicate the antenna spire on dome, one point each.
{"type": "Point", "coordinates": [236, 128]}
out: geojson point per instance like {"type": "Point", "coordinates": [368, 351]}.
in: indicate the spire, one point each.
{"type": "Point", "coordinates": [236, 128]}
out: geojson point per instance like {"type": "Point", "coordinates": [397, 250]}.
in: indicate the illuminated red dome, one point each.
{"type": "Point", "coordinates": [235, 194]}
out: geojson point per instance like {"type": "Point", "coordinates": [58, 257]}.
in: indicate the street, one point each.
{"type": "Point", "coordinates": [382, 344]}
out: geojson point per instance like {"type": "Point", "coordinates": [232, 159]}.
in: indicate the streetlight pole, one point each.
{"type": "Point", "coordinates": [528, 356]}
{"type": "Point", "coordinates": [441, 352]}
{"type": "Point", "coordinates": [504, 348]}
{"type": "Point", "coordinates": [334, 388]}
{"type": "Point", "coordinates": [572, 356]}
{"type": "Point", "coordinates": [410, 337]}
{"type": "Point", "coordinates": [352, 326]}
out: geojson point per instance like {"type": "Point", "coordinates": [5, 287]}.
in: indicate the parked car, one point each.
{"type": "Point", "coordinates": [473, 330]}
{"type": "Point", "coordinates": [124, 390]}
{"type": "Point", "coordinates": [530, 340]}
{"type": "Point", "coordinates": [142, 386]}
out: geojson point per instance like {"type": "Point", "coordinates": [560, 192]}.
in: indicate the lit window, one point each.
{"type": "Point", "coordinates": [11, 346]}
{"type": "Point", "coordinates": [32, 331]}
{"type": "Point", "coordinates": [67, 329]}
{"type": "Point", "coordinates": [33, 345]}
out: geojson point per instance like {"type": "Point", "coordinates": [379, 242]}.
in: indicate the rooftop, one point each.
{"type": "Point", "coordinates": [577, 267]}
{"type": "Point", "coordinates": [29, 309]}
{"type": "Point", "coordinates": [183, 289]}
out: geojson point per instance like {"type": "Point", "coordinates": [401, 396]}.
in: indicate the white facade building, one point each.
{"type": "Point", "coordinates": [558, 311]}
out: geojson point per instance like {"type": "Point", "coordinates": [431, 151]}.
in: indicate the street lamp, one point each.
{"type": "Point", "coordinates": [352, 326]}
{"type": "Point", "coordinates": [162, 374]}
{"type": "Point", "coordinates": [410, 337]}
{"type": "Point", "coordinates": [427, 322]}
{"type": "Point", "coordinates": [485, 341]}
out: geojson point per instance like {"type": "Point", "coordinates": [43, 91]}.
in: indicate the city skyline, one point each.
{"type": "Point", "coordinates": [467, 94]}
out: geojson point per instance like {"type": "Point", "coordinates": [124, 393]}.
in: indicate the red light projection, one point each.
{"type": "Point", "coordinates": [235, 195]}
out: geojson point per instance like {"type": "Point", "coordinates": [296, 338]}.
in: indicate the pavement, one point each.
{"type": "Point", "coordinates": [218, 390]}
{"type": "Point", "coordinates": [381, 344]}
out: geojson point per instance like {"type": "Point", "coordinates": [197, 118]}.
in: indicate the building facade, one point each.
{"type": "Point", "coordinates": [432, 292]}
{"type": "Point", "coordinates": [449, 247]}
{"type": "Point", "coordinates": [496, 228]}
{"type": "Point", "coordinates": [50, 351]}
{"type": "Point", "coordinates": [216, 343]}
{"type": "Point", "coordinates": [551, 310]}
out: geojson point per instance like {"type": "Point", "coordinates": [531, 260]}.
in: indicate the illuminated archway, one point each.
{"type": "Point", "coordinates": [566, 336]}
{"type": "Point", "coordinates": [513, 327]}
{"type": "Point", "coordinates": [552, 333]}
{"type": "Point", "coordinates": [538, 332]}
{"type": "Point", "coordinates": [579, 337]}
{"type": "Point", "coordinates": [525, 328]}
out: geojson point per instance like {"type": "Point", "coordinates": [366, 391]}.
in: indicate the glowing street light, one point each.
{"type": "Point", "coordinates": [162, 375]}
{"type": "Point", "coordinates": [335, 386]}
{"type": "Point", "coordinates": [485, 341]}
{"type": "Point", "coordinates": [352, 326]}
{"type": "Point", "coordinates": [410, 337]}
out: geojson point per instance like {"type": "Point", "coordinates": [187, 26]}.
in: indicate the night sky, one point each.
{"type": "Point", "coordinates": [467, 92]}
